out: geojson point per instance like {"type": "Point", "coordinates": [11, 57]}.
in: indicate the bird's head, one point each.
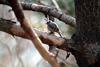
{"type": "Point", "coordinates": [47, 21]}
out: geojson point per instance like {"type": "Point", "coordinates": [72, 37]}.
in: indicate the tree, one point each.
{"type": "Point", "coordinates": [87, 36]}
{"type": "Point", "coordinates": [85, 43]}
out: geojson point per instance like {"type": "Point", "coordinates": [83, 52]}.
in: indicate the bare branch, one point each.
{"type": "Point", "coordinates": [56, 4]}
{"type": "Point", "coordinates": [52, 12]}
{"type": "Point", "coordinates": [47, 10]}
{"type": "Point", "coordinates": [33, 36]}
{"type": "Point", "coordinates": [45, 37]}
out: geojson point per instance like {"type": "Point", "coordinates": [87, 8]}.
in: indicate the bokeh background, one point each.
{"type": "Point", "coordinates": [19, 52]}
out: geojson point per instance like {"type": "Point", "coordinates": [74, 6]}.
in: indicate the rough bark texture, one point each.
{"type": "Point", "coordinates": [87, 37]}
{"type": "Point", "coordinates": [13, 29]}
{"type": "Point", "coordinates": [33, 36]}
{"type": "Point", "coordinates": [86, 47]}
{"type": "Point", "coordinates": [47, 10]}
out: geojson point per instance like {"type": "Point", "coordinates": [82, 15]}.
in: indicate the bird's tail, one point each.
{"type": "Point", "coordinates": [60, 34]}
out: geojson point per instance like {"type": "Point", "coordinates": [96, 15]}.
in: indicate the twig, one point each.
{"type": "Point", "coordinates": [56, 5]}
{"type": "Point", "coordinates": [48, 10]}
{"type": "Point", "coordinates": [33, 36]}
{"type": "Point", "coordinates": [13, 29]}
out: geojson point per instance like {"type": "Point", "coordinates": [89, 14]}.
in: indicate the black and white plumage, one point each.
{"type": "Point", "coordinates": [53, 27]}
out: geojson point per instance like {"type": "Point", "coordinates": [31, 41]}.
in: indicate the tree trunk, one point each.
{"type": "Point", "coordinates": [87, 37]}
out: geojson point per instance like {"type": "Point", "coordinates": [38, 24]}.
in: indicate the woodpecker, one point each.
{"type": "Point", "coordinates": [53, 27]}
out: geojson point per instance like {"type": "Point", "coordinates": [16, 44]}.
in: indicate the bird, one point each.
{"type": "Point", "coordinates": [53, 27]}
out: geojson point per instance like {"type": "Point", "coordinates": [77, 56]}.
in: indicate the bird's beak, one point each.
{"type": "Point", "coordinates": [46, 19]}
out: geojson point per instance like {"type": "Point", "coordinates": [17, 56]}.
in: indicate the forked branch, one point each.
{"type": "Point", "coordinates": [33, 36]}
{"type": "Point", "coordinates": [47, 10]}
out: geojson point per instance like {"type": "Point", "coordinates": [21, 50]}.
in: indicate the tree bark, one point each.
{"type": "Point", "coordinates": [46, 38]}
{"type": "Point", "coordinates": [33, 36]}
{"type": "Point", "coordinates": [86, 47]}
{"type": "Point", "coordinates": [46, 10]}
{"type": "Point", "coordinates": [87, 37]}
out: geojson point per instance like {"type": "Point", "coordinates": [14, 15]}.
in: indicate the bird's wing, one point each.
{"type": "Point", "coordinates": [54, 26]}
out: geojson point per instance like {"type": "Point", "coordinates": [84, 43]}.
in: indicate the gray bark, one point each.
{"type": "Point", "coordinates": [87, 37]}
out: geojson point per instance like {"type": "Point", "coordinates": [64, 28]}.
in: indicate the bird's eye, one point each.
{"type": "Point", "coordinates": [9, 10]}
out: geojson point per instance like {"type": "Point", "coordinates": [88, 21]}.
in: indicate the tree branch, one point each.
{"type": "Point", "coordinates": [56, 5]}
{"type": "Point", "coordinates": [47, 10]}
{"type": "Point", "coordinates": [33, 36]}
{"type": "Point", "coordinates": [45, 37]}
{"type": "Point", "coordinates": [13, 29]}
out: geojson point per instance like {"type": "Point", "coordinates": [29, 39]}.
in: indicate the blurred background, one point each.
{"type": "Point", "coordinates": [19, 52]}
{"type": "Point", "coordinates": [37, 19]}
